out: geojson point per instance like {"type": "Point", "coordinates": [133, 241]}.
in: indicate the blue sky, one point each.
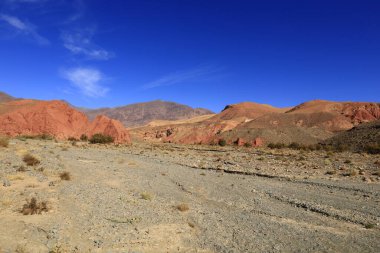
{"type": "Point", "coordinates": [96, 53]}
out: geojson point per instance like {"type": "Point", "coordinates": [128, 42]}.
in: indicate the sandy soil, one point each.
{"type": "Point", "coordinates": [172, 198]}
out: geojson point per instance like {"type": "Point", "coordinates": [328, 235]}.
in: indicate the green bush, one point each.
{"type": "Point", "coordinates": [372, 149]}
{"type": "Point", "coordinates": [101, 138]}
{"type": "Point", "coordinates": [222, 142]}
{"type": "Point", "coordinates": [72, 139]}
{"type": "Point", "coordinates": [247, 145]}
{"type": "Point", "coordinates": [294, 145]}
{"type": "Point", "coordinates": [276, 145]}
{"type": "Point", "coordinates": [83, 137]}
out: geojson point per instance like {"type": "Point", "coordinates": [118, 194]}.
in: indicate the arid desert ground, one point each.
{"type": "Point", "coordinates": [186, 198]}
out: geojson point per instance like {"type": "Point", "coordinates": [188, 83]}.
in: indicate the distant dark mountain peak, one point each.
{"type": "Point", "coordinates": [4, 97]}
{"type": "Point", "coordinates": [140, 114]}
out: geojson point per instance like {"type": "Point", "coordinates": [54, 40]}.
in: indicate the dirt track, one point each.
{"type": "Point", "coordinates": [125, 199]}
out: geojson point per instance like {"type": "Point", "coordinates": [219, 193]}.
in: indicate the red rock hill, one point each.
{"type": "Point", "coordinates": [56, 118]}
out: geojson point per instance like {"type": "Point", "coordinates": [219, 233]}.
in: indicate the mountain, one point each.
{"type": "Point", "coordinates": [307, 123]}
{"type": "Point", "coordinates": [56, 118]}
{"type": "Point", "coordinates": [4, 97]}
{"type": "Point", "coordinates": [140, 114]}
{"type": "Point", "coordinates": [246, 111]}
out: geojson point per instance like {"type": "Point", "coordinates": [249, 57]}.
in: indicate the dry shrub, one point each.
{"type": "Point", "coordinates": [376, 173]}
{"type": "Point", "coordinates": [65, 176]}
{"type": "Point", "coordinates": [350, 173]}
{"type": "Point", "coordinates": [4, 141]}
{"type": "Point", "coordinates": [30, 160]}
{"type": "Point", "coordinates": [183, 207]}
{"type": "Point", "coordinates": [21, 169]}
{"type": "Point", "coordinates": [34, 207]}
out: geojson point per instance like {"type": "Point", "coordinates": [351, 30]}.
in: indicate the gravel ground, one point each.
{"type": "Point", "coordinates": [171, 198]}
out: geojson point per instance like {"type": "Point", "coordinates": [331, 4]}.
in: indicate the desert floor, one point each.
{"type": "Point", "coordinates": [175, 198]}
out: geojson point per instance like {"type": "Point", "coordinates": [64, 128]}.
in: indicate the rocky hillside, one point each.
{"type": "Point", "coordinates": [143, 113]}
{"type": "Point", "coordinates": [307, 123]}
{"type": "Point", "coordinates": [55, 118]}
{"type": "Point", "coordinates": [358, 138]}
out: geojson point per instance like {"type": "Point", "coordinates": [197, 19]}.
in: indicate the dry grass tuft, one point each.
{"type": "Point", "coordinates": [33, 207]}
{"type": "Point", "coordinates": [4, 141]}
{"type": "Point", "coordinates": [30, 160]}
{"type": "Point", "coordinates": [183, 207]}
{"type": "Point", "coordinates": [65, 176]}
{"type": "Point", "coordinates": [146, 196]}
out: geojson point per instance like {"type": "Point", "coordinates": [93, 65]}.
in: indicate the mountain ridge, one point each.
{"type": "Point", "coordinates": [139, 114]}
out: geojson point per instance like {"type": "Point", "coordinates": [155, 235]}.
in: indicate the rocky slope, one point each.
{"type": "Point", "coordinates": [55, 118]}
{"type": "Point", "coordinates": [307, 123]}
{"type": "Point", "coordinates": [358, 138]}
{"type": "Point", "coordinates": [140, 114]}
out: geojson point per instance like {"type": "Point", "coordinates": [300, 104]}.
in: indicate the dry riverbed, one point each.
{"type": "Point", "coordinates": [176, 198]}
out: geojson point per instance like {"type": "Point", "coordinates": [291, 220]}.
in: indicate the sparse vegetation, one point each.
{"type": "Point", "coordinates": [72, 139]}
{"type": "Point", "coordinates": [146, 196]}
{"type": "Point", "coordinates": [295, 145]}
{"type": "Point", "coordinates": [34, 207]}
{"type": "Point", "coordinates": [183, 207]}
{"type": "Point", "coordinates": [21, 169]}
{"type": "Point", "coordinates": [4, 141]}
{"type": "Point", "coordinates": [351, 173]}
{"type": "Point", "coordinates": [65, 176]}
{"type": "Point", "coordinates": [30, 160]}
{"type": "Point", "coordinates": [276, 145]}
{"type": "Point", "coordinates": [83, 137]}
{"type": "Point", "coordinates": [247, 145]}
{"type": "Point", "coordinates": [376, 173]}
{"type": "Point", "coordinates": [372, 149]}
{"type": "Point", "coordinates": [57, 249]}
{"type": "Point", "coordinates": [369, 225]}
{"type": "Point", "coordinates": [298, 146]}
{"type": "Point", "coordinates": [36, 137]}
{"type": "Point", "coordinates": [101, 138]}
{"type": "Point", "coordinates": [222, 142]}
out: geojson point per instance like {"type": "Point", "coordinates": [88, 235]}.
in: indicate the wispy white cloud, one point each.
{"type": "Point", "coordinates": [80, 43]}
{"type": "Point", "coordinates": [24, 28]}
{"type": "Point", "coordinates": [200, 73]}
{"type": "Point", "coordinates": [87, 80]}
